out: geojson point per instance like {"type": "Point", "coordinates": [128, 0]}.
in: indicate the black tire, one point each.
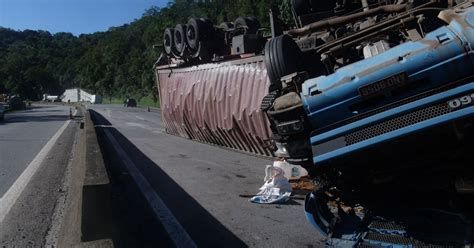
{"type": "Point", "coordinates": [198, 30]}
{"type": "Point", "coordinates": [251, 24]}
{"type": "Point", "coordinates": [193, 32]}
{"type": "Point", "coordinates": [180, 38]}
{"type": "Point", "coordinates": [226, 26]}
{"type": "Point", "coordinates": [203, 53]}
{"type": "Point", "coordinates": [282, 56]}
{"type": "Point", "coordinates": [168, 41]}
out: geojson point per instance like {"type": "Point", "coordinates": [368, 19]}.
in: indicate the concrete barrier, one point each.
{"type": "Point", "coordinates": [87, 219]}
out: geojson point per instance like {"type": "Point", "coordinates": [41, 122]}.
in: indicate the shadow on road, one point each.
{"type": "Point", "coordinates": [204, 229]}
{"type": "Point", "coordinates": [45, 115]}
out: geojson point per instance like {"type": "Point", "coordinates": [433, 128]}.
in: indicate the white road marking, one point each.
{"type": "Point", "coordinates": [134, 124]}
{"type": "Point", "coordinates": [174, 229]}
{"type": "Point", "coordinates": [10, 197]}
{"type": "Point", "coordinates": [140, 118]}
{"type": "Point", "coordinates": [103, 126]}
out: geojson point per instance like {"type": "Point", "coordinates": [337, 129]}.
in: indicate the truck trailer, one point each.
{"type": "Point", "coordinates": [374, 98]}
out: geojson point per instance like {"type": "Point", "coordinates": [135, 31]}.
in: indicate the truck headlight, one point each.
{"type": "Point", "coordinates": [291, 127]}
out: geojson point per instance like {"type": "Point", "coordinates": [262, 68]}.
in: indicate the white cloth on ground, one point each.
{"type": "Point", "coordinates": [276, 188]}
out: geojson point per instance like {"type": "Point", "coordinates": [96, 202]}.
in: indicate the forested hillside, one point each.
{"type": "Point", "coordinates": [114, 63]}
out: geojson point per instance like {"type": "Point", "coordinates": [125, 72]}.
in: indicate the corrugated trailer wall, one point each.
{"type": "Point", "coordinates": [217, 103]}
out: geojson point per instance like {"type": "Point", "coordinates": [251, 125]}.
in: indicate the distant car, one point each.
{"type": "Point", "coordinates": [131, 103]}
{"type": "Point", "coordinates": [2, 112]}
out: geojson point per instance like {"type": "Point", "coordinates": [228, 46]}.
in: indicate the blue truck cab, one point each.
{"type": "Point", "coordinates": [387, 139]}
{"type": "Point", "coordinates": [411, 87]}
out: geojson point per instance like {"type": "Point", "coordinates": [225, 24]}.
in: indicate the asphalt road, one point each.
{"type": "Point", "coordinates": [36, 150]}
{"type": "Point", "coordinates": [202, 185]}
{"type": "Point", "coordinates": [22, 135]}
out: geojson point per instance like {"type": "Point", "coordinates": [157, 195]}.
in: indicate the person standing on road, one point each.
{"type": "Point", "coordinates": [125, 102]}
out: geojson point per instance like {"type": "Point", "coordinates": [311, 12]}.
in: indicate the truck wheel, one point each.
{"type": "Point", "coordinates": [180, 38]}
{"type": "Point", "coordinates": [193, 32]}
{"type": "Point", "coordinates": [281, 58]}
{"type": "Point", "coordinates": [203, 53]}
{"type": "Point", "coordinates": [168, 41]}
{"type": "Point", "coordinates": [250, 23]}
{"type": "Point", "coordinates": [196, 32]}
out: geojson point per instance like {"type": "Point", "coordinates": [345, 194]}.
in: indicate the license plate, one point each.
{"type": "Point", "coordinates": [384, 85]}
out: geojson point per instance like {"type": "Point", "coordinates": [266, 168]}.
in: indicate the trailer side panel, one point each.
{"type": "Point", "coordinates": [217, 103]}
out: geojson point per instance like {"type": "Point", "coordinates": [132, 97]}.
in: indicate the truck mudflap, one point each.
{"type": "Point", "coordinates": [390, 125]}
{"type": "Point", "coordinates": [404, 227]}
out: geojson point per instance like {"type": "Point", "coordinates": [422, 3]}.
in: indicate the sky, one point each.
{"type": "Point", "coordinates": [74, 16]}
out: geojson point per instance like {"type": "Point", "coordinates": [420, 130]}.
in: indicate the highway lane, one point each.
{"type": "Point", "coordinates": [22, 135]}
{"type": "Point", "coordinates": [211, 178]}
{"type": "Point", "coordinates": [37, 148]}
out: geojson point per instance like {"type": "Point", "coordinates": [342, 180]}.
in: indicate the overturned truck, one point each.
{"type": "Point", "coordinates": [374, 98]}
{"type": "Point", "coordinates": [377, 103]}
{"type": "Point", "coordinates": [211, 82]}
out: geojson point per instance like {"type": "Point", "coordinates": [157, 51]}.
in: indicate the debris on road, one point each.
{"type": "Point", "coordinates": [303, 186]}
{"type": "Point", "coordinates": [292, 171]}
{"type": "Point", "coordinates": [276, 189]}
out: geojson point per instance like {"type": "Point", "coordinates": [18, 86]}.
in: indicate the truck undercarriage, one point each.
{"type": "Point", "coordinates": [378, 105]}
{"type": "Point", "coordinates": [424, 195]}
